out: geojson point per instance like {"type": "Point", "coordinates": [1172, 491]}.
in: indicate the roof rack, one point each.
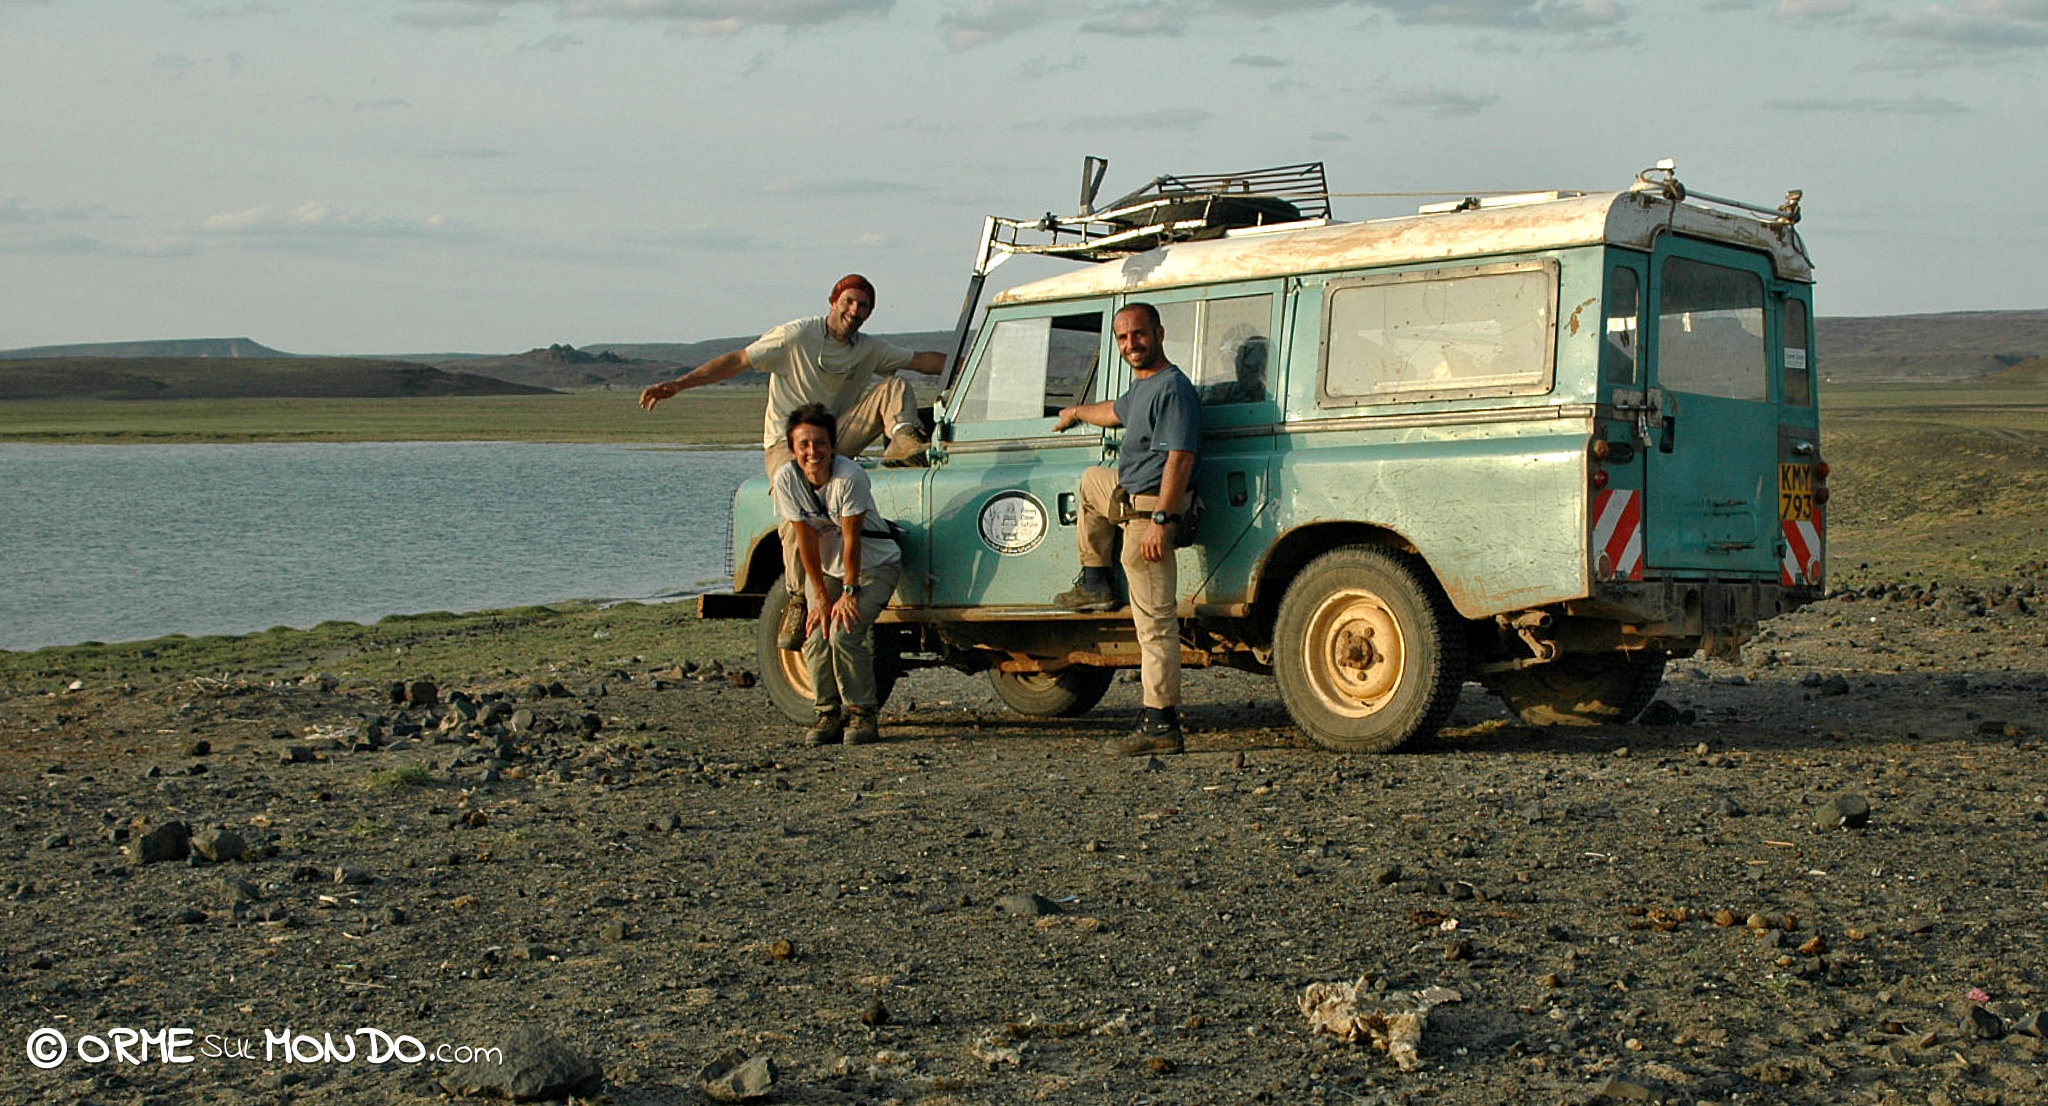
{"type": "Point", "coordinates": [1171, 208]}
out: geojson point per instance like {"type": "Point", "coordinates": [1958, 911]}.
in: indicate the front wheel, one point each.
{"type": "Point", "coordinates": [1064, 694]}
{"type": "Point", "coordinates": [1581, 690]}
{"type": "Point", "coordinates": [789, 682]}
{"type": "Point", "coordinates": [1367, 651]}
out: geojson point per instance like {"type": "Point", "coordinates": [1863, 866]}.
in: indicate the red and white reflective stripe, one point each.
{"type": "Point", "coordinates": [1802, 552]}
{"type": "Point", "coordinates": [1618, 534]}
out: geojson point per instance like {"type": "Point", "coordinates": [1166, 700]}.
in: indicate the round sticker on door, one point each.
{"type": "Point", "coordinates": [1012, 523]}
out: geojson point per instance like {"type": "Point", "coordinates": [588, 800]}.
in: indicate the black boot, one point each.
{"type": "Point", "coordinates": [1158, 732]}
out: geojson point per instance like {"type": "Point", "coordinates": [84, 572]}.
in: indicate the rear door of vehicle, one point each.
{"type": "Point", "coordinates": [1710, 501]}
{"type": "Point", "coordinates": [1003, 497]}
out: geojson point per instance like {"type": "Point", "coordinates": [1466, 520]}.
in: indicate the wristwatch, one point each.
{"type": "Point", "coordinates": [851, 589]}
{"type": "Point", "coordinates": [1161, 518]}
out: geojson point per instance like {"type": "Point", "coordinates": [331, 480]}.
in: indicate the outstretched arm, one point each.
{"type": "Point", "coordinates": [1094, 414]}
{"type": "Point", "coordinates": [725, 366]}
{"type": "Point", "coordinates": [928, 363]}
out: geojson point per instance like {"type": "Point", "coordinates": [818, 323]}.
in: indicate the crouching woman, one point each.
{"type": "Point", "coordinates": [850, 568]}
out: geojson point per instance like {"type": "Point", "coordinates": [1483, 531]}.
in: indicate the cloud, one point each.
{"type": "Point", "coordinates": [725, 17]}
{"type": "Point", "coordinates": [85, 245]}
{"type": "Point", "coordinates": [1985, 27]}
{"type": "Point", "coordinates": [1041, 67]}
{"type": "Point", "coordinates": [1259, 61]}
{"type": "Point", "coordinates": [1533, 15]}
{"type": "Point", "coordinates": [1160, 119]}
{"type": "Point", "coordinates": [1918, 105]}
{"type": "Point", "coordinates": [1141, 21]}
{"type": "Point", "coordinates": [845, 187]}
{"type": "Point", "coordinates": [984, 21]}
{"type": "Point", "coordinates": [445, 15]}
{"type": "Point", "coordinates": [1812, 11]}
{"type": "Point", "coordinates": [1443, 103]}
{"type": "Point", "coordinates": [315, 227]}
{"type": "Point", "coordinates": [553, 44]}
{"type": "Point", "coordinates": [233, 11]}
{"type": "Point", "coordinates": [16, 210]}
{"type": "Point", "coordinates": [464, 153]}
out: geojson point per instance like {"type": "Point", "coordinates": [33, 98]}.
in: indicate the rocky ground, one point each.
{"type": "Point", "coordinates": [645, 863]}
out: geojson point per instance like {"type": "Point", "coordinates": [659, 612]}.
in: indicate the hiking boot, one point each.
{"type": "Point", "coordinates": [1084, 596]}
{"type": "Point", "coordinates": [907, 448]}
{"type": "Point", "coordinates": [826, 730]}
{"type": "Point", "coordinates": [860, 727]}
{"type": "Point", "coordinates": [1158, 732]}
{"type": "Point", "coordinates": [790, 633]}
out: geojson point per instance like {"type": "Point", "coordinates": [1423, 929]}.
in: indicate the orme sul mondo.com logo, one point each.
{"type": "Point", "coordinates": [1012, 523]}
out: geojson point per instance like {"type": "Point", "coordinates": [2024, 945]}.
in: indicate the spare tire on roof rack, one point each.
{"type": "Point", "coordinates": [1211, 212]}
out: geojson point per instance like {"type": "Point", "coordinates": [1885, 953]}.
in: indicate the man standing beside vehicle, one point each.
{"type": "Point", "coordinates": [824, 359]}
{"type": "Point", "coordinates": [1144, 496]}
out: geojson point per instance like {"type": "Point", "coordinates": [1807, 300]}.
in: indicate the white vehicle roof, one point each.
{"type": "Point", "coordinates": [1632, 219]}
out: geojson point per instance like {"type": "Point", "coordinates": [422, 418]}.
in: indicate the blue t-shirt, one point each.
{"type": "Point", "coordinates": [1159, 413]}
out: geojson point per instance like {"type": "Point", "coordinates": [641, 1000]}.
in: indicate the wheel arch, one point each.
{"type": "Point", "coordinates": [1286, 557]}
{"type": "Point", "coordinates": [757, 570]}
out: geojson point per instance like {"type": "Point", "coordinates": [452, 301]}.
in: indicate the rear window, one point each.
{"type": "Point", "coordinates": [1798, 367]}
{"type": "Point", "coordinates": [1710, 331]}
{"type": "Point", "coordinates": [1471, 332]}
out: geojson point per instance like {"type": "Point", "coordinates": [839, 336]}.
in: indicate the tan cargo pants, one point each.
{"type": "Point", "coordinates": [1153, 585]}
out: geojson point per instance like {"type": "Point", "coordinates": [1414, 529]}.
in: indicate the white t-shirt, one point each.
{"type": "Point", "coordinates": [805, 364]}
{"type": "Point", "coordinates": [847, 493]}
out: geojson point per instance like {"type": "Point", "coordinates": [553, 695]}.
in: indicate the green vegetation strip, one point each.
{"type": "Point", "coordinates": [708, 417]}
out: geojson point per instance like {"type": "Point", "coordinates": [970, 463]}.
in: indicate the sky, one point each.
{"type": "Point", "coordinates": [412, 176]}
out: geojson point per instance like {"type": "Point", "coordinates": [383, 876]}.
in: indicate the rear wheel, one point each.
{"type": "Point", "coordinates": [1367, 651]}
{"type": "Point", "coordinates": [1063, 694]}
{"type": "Point", "coordinates": [789, 682]}
{"type": "Point", "coordinates": [1581, 689]}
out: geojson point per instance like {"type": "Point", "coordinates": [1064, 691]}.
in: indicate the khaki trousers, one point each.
{"type": "Point", "coordinates": [887, 405]}
{"type": "Point", "coordinates": [1153, 585]}
{"type": "Point", "coordinates": [842, 663]}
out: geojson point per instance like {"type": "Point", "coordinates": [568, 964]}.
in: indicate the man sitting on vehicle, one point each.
{"type": "Point", "coordinates": [824, 359]}
{"type": "Point", "coordinates": [1162, 417]}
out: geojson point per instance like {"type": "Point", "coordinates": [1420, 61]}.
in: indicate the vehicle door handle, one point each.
{"type": "Point", "coordinates": [1668, 440]}
{"type": "Point", "coordinates": [1069, 511]}
{"type": "Point", "coordinates": [1237, 490]}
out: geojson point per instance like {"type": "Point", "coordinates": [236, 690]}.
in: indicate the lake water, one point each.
{"type": "Point", "coordinates": [121, 543]}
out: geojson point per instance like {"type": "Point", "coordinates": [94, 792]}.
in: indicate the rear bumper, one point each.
{"type": "Point", "coordinates": [1716, 615]}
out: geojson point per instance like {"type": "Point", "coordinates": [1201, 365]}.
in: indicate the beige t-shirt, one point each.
{"type": "Point", "coordinates": [805, 364]}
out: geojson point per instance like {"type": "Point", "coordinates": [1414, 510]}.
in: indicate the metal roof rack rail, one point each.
{"type": "Point", "coordinates": [1170, 208]}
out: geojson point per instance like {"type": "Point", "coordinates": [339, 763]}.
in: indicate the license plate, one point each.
{"type": "Point", "coordinates": [1795, 493]}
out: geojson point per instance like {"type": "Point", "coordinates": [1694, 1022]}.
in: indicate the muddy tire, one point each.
{"type": "Point", "coordinates": [789, 682]}
{"type": "Point", "coordinates": [1368, 653]}
{"type": "Point", "coordinates": [1063, 694]}
{"type": "Point", "coordinates": [1581, 690]}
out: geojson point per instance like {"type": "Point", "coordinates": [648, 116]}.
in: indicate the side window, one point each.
{"type": "Point", "coordinates": [1237, 334]}
{"type": "Point", "coordinates": [1619, 345]}
{"type": "Point", "coordinates": [1448, 333]}
{"type": "Point", "coordinates": [1030, 368]}
{"type": "Point", "coordinates": [1221, 345]}
{"type": "Point", "coordinates": [1798, 361]}
{"type": "Point", "coordinates": [1710, 331]}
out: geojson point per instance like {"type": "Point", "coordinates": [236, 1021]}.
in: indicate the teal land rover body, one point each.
{"type": "Point", "coordinates": [1541, 442]}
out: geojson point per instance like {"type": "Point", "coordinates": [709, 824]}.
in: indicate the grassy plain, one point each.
{"type": "Point", "coordinates": [711, 416]}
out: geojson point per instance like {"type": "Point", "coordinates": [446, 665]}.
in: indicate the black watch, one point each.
{"type": "Point", "coordinates": [851, 589]}
{"type": "Point", "coordinates": [1161, 518]}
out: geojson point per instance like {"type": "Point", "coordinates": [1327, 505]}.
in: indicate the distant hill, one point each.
{"type": "Point", "coordinates": [214, 378]}
{"type": "Point", "coordinates": [169, 347]}
{"type": "Point", "coordinates": [631, 365]}
{"type": "Point", "coordinates": [1952, 346]}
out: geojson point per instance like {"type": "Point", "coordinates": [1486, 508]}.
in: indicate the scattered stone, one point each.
{"type": "Point", "coordinates": [169, 841]}
{"type": "Point", "coordinates": [1393, 1025]}
{"type": "Point", "coordinates": [522, 720]}
{"type": "Point", "coordinates": [741, 678]}
{"type": "Point", "coordinates": [1630, 1088]}
{"type": "Point", "coordinates": [199, 748]}
{"type": "Point", "coordinates": [296, 754]}
{"type": "Point", "coordinates": [2029, 1026]}
{"type": "Point", "coordinates": [1983, 1024]}
{"type": "Point", "coordinates": [353, 876]}
{"type": "Point", "coordinates": [737, 1077]}
{"type": "Point", "coordinates": [422, 693]}
{"type": "Point", "coordinates": [1842, 812]}
{"type": "Point", "coordinates": [1662, 713]}
{"type": "Point", "coordinates": [874, 1013]}
{"type": "Point", "coordinates": [1027, 904]}
{"type": "Point", "coordinates": [536, 1066]}
{"type": "Point", "coordinates": [219, 844]}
